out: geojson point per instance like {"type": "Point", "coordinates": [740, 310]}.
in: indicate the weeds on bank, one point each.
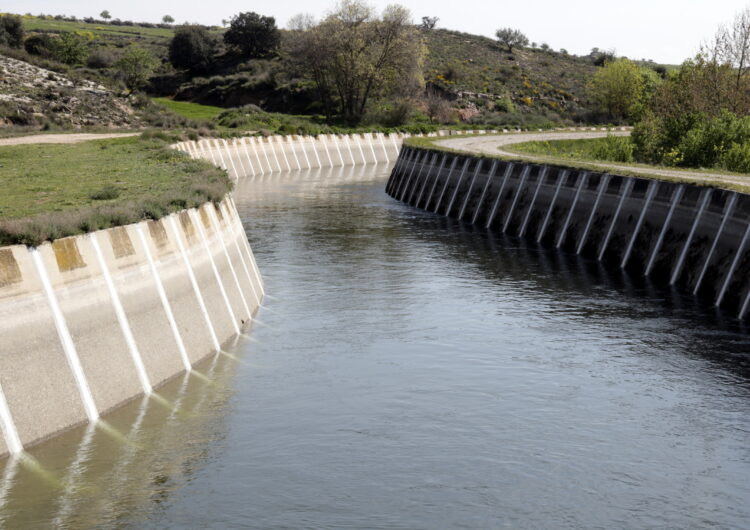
{"type": "Point", "coordinates": [53, 191]}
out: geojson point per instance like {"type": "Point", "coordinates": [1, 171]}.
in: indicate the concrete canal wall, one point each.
{"type": "Point", "coordinates": [257, 155]}
{"type": "Point", "coordinates": [90, 322]}
{"type": "Point", "coordinates": [696, 238]}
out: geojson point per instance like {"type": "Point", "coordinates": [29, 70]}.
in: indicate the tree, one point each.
{"type": "Point", "coordinates": [69, 48]}
{"type": "Point", "coordinates": [135, 67]}
{"type": "Point", "coordinates": [167, 19]}
{"type": "Point", "coordinates": [511, 37]}
{"type": "Point", "coordinates": [621, 88]}
{"type": "Point", "coordinates": [353, 56]}
{"type": "Point", "coordinates": [192, 48]}
{"type": "Point", "coordinates": [105, 15]}
{"type": "Point", "coordinates": [253, 35]}
{"type": "Point", "coordinates": [731, 46]}
{"type": "Point", "coordinates": [429, 23]}
{"type": "Point", "coordinates": [11, 31]}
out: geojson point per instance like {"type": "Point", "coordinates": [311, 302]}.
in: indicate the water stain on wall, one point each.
{"type": "Point", "coordinates": [9, 271]}
{"type": "Point", "coordinates": [122, 246]}
{"type": "Point", "coordinates": [67, 255]}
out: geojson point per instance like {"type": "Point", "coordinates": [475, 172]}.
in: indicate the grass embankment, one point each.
{"type": "Point", "coordinates": [585, 154]}
{"type": "Point", "coordinates": [52, 191]}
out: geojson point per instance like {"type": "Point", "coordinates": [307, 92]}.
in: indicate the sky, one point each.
{"type": "Point", "coordinates": [667, 31]}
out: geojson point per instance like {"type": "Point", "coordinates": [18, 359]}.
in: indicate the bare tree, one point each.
{"type": "Point", "coordinates": [354, 55]}
{"type": "Point", "coordinates": [429, 22]}
{"type": "Point", "coordinates": [438, 108]}
{"type": "Point", "coordinates": [511, 37]}
{"type": "Point", "coordinates": [730, 46]}
{"type": "Point", "coordinates": [735, 48]}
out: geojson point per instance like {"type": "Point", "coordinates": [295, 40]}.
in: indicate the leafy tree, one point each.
{"type": "Point", "coordinates": [253, 35]}
{"type": "Point", "coordinates": [511, 37]}
{"type": "Point", "coordinates": [167, 19]}
{"type": "Point", "coordinates": [135, 67]}
{"type": "Point", "coordinates": [429, 22]}
{"type": "Point", "coordinates": [354, 55]}
{"type": "Point", "coordinates": [11, 31]}
{"type": "Point", "coordinates": [105, 15]}
{"type": "Point", "coordinates": [621, 88]}
{"type": "Point", "coordinates": [192, 48]}
{"type": "Point", "coordinates": [70, 48]}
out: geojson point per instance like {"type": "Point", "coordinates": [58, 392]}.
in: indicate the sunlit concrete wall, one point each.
{"type": "Point", "coordinates": [90, 322]}
{"type": "Point", "coordinates": [694, 238]}
{"type": "Point", "coordinates": [257, 155]}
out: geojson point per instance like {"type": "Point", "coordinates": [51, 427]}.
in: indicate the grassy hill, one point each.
{"type": "Point", "coordinates": [485, 83]}
{"type": "Point", "coordinates": [533, 79]}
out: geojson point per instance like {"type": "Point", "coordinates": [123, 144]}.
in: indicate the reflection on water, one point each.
{"type": "Point", "coordinates": [415, 372]}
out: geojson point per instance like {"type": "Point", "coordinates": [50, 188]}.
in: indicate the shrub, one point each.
{"type": "Point", "coordinates": [41, 45]}
{"type": "Point", "coordinates": [11, 31]}
{"type": "Point", "coordinates": [192, 48]}
{"type": "Point", "coordinates": [693, 141]}
{"type": "Point", "coordinates": [69, 48]}
{"type": "Point", "coordinates": [100, 59]}
{"type": "Point", "coordinates": [135, 67]}
{"type": "Point", "coordinates": [614, 148]}
{"type": "Point", "coordinates": [736, 158]}
{"type": "Point", "coordinates": [107, 193]}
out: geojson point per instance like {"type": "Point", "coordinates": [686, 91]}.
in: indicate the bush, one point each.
{"type": "Point", "coordinates": [41, 45]}
{"type": "Point", "coordinates": [11, 31]}
{"type": "Point", "coordinates": [107, 193]}
{"type": "Point", "coordinates": [135, 67]}
{"type": "Point", "coordinates": [694, 141]}
{"type": "Point", "coordinates": [100, 59]}
{"type": "Point", "coordinates": [614, 148]}
{"type": "Point", "coordinates": [192, 48]}
{"type": "Point", "coordinates": [69, 48]}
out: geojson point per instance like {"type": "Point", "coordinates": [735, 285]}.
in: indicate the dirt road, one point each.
{"type": "Point", "coordinates": [61, 138]}
{"type": "Point", "coordinates": [493, 145]}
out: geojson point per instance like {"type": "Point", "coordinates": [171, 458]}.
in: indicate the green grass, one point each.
{"type": "Point", "coordinates": [594, 149]}
{"type": "Point", "coordinates": [56, 190]}
{"type": "Point", "coordinates": [192, 111]}
{"type": "Point", "coordinates": [37, 24]}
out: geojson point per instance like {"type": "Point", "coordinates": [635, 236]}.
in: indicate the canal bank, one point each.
{"type": "Point", "coordinates": [89, 322]}
{"type": "Point", "coordinates": [694, 237]}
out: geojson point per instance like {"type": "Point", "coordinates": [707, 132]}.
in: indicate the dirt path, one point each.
{"type": "Point", "coordinates": [493, 145]}
{"type": "Point", "coordinates": [61, 138]}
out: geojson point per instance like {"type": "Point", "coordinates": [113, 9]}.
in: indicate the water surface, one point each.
{"type": "Point", "coordinates": [408, 371]}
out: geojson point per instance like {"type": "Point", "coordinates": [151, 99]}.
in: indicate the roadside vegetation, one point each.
{"type": "Point", "coordinates": [57, 190]}
{"type": "Point", "coordinates": [698, 117]}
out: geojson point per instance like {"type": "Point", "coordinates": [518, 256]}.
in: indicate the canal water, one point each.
{"type": "Point", "coordinates": [408, 371]}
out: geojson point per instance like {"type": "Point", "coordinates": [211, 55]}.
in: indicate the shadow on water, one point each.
{"type": "Point", "coordinates": [593, 290]}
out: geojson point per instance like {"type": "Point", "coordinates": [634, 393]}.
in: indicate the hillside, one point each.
{"type": "Point", "coordinates": [534, 79]}
{"type": "Point", "coordinates": [485, 83]}
{"type": "Point", "coordinates": [35, 97]}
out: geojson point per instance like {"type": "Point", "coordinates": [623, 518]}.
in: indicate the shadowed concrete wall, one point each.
{"type": "Point", "coordinates": [90, 322]}
{"type": "Point", "coordinates": [697, 238]}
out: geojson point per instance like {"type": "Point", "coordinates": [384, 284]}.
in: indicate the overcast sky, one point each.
{"type": "Point", "coordinates": [667, 31]}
